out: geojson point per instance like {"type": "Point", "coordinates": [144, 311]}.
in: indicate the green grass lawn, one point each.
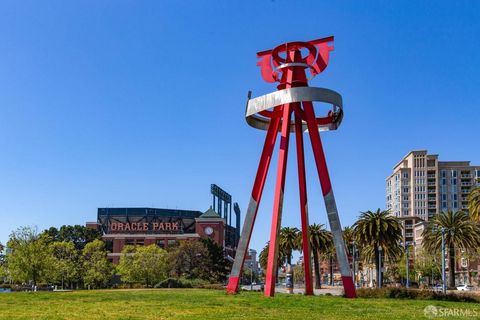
{"type": "Point", "coordinates": [208, 304]}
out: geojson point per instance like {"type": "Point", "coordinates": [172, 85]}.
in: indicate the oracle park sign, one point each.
{"type": "Point", "coordinates": [146, 221]}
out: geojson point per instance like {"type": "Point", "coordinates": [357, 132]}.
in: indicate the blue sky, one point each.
{"type": "Point", "coordinates": [141, 103]}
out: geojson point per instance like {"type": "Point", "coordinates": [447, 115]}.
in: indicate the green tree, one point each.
{"type": "Point", "coordinates": [188, 259]}
{"type": "Point", "coordinates": [249, 275]}
{"type": "Point", "coordinates": [460, 233]}
{"type": "Point", "coordinates": [28, 256]}
{"type": "Point", "coordinates": [77, 234]}
{"type": "Point", "coordinates": [378, 229]}
{"type": "Point", "coordinates": [288, 241]}
{"type": "Point", "coordinates": [66, 264]}
{"type": "Point", "coordinates": [401, 268]}
{"type": "Point", "coordinates": [3, 265]}
{"type": "Point", "coordinates": [126, 266]}
{"type": "Point", "coordinates": [97, 270]}
{"type": "Point", "coordinates": [149, 264]}
{"type": "Point", "coordinates": [474, 204]}
{"type": "Point", "coordinates": [298, 274]}
{"type": "Point", "coordinates": [427, 264]}
{"type": "Point", "coordinates": [320, 242]}
{"type": "Point", "coordinates": [217, 266]}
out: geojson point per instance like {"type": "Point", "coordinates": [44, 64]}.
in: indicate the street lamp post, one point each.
{"type": "Point", "coordinates": [353, 265]}
{"type": "Point", "coordinates": [444, 289]}
{"type": "Point", "coordinates": [379, 285]}
{"type": "Point", "coordinates": [251, 276]}
{"type": "Point", "coordinates": [406, 263]}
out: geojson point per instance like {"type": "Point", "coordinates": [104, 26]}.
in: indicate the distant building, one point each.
{"type": "Point", "coordinates": [250, 262]}
{"type": "Point", "coordinates": [422, 186]}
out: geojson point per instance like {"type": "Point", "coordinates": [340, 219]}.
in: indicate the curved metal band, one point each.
{"type": "Point", "coordinates": [294, 64]}
{"type": "Point", "coordinates": [292, 95]}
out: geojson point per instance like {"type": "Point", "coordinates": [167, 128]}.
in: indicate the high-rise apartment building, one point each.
{"type": "Point", "coordinates": [422, 186]}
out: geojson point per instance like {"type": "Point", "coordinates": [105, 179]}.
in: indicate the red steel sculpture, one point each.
{"type": "Point", "coordinates": [287, 64]}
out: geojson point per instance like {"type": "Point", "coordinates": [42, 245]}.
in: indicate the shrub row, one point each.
{"type": "Point", "coordinates": [187, 283]}
{"type": "Point", "coordinates": [421, 294]}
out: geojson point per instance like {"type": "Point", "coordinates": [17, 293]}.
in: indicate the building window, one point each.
{"type": "Point", "coordinates": [161, 243]}
{"type": "Point", "coordinates": [109, 245]}
{"type": "Point", "coordinates": [129, 242]}
{"type": "Point", "coordinates": [171, 242]}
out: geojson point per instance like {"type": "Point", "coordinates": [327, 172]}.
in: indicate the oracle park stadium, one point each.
{"type": "Point", "coordinates": [165, 227]}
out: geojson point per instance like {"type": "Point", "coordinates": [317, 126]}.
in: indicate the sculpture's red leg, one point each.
{"type": "Point", "coordinates": [270, 278]}
{"type": "Point", "coordinates": [251, 214]}
{"type": "Point", "coordinates": [307, 265]}
{"type": "Point", "coordinates": [329, 199]}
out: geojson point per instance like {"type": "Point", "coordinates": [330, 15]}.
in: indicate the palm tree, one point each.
{"type": "Point", "coordinates": [288, 241]}
{"type": "Point", "coordinates": [378, 229]}
{"type": "Point", "coordinates": [349, 238]}
{"type": "Point", "coordinates": [263, 258]}
{"type": "Point", "coordinates": [474, 204]}
{"type": "Point", "coordinates": [320, 241]}
{"type": "Point", "coordinates": [460, 233]}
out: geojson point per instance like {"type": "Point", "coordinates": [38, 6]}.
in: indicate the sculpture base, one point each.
{"type": "Point", "coordinates": [349, 287]}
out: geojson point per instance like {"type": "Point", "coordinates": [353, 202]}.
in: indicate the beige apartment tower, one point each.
{"type": "Point", "coordinates": [422, 186]}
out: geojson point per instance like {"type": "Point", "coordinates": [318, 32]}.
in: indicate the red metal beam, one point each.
{"type": "Point", "coordinates": [302, 183]}
{"type": "Point", "coordinates": [270, 278]}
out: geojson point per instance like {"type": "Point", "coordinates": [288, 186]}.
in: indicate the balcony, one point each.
{"type": "Point", "coordinates": [466, 176]}
{"type": "Point", "coordinates": [432, 191]}
{"type": "Point", "coordinates": [431, 183]}
{"type": "Point", "coordinates": [466, 184]}
{"type": "Point", "coordinates": [432, 207]}
{"type": "Point", "coordinates": [431, 175]}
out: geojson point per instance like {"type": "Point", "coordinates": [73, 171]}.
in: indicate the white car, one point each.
{"type": "Point", "coordinates": [465, 287]}
{"type": "Point", "coordinates": [437, 287]}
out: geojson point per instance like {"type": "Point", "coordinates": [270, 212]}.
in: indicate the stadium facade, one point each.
{"type": "Point", "coordinates": [163, 227]}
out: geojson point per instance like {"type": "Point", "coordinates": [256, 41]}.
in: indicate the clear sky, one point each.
{"type": "Point", "coordinates": [141, 103]}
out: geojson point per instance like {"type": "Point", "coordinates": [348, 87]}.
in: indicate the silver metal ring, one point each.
{"type": "Point", "coordinates": [292, 95]}
{"type": "Point", "coordinates": [294, 64]}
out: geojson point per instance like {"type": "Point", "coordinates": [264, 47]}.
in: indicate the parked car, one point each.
{"type": "Point", "coordinates": [437, 287]}
{"type": "Point", "coordinates": [465, 287]}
